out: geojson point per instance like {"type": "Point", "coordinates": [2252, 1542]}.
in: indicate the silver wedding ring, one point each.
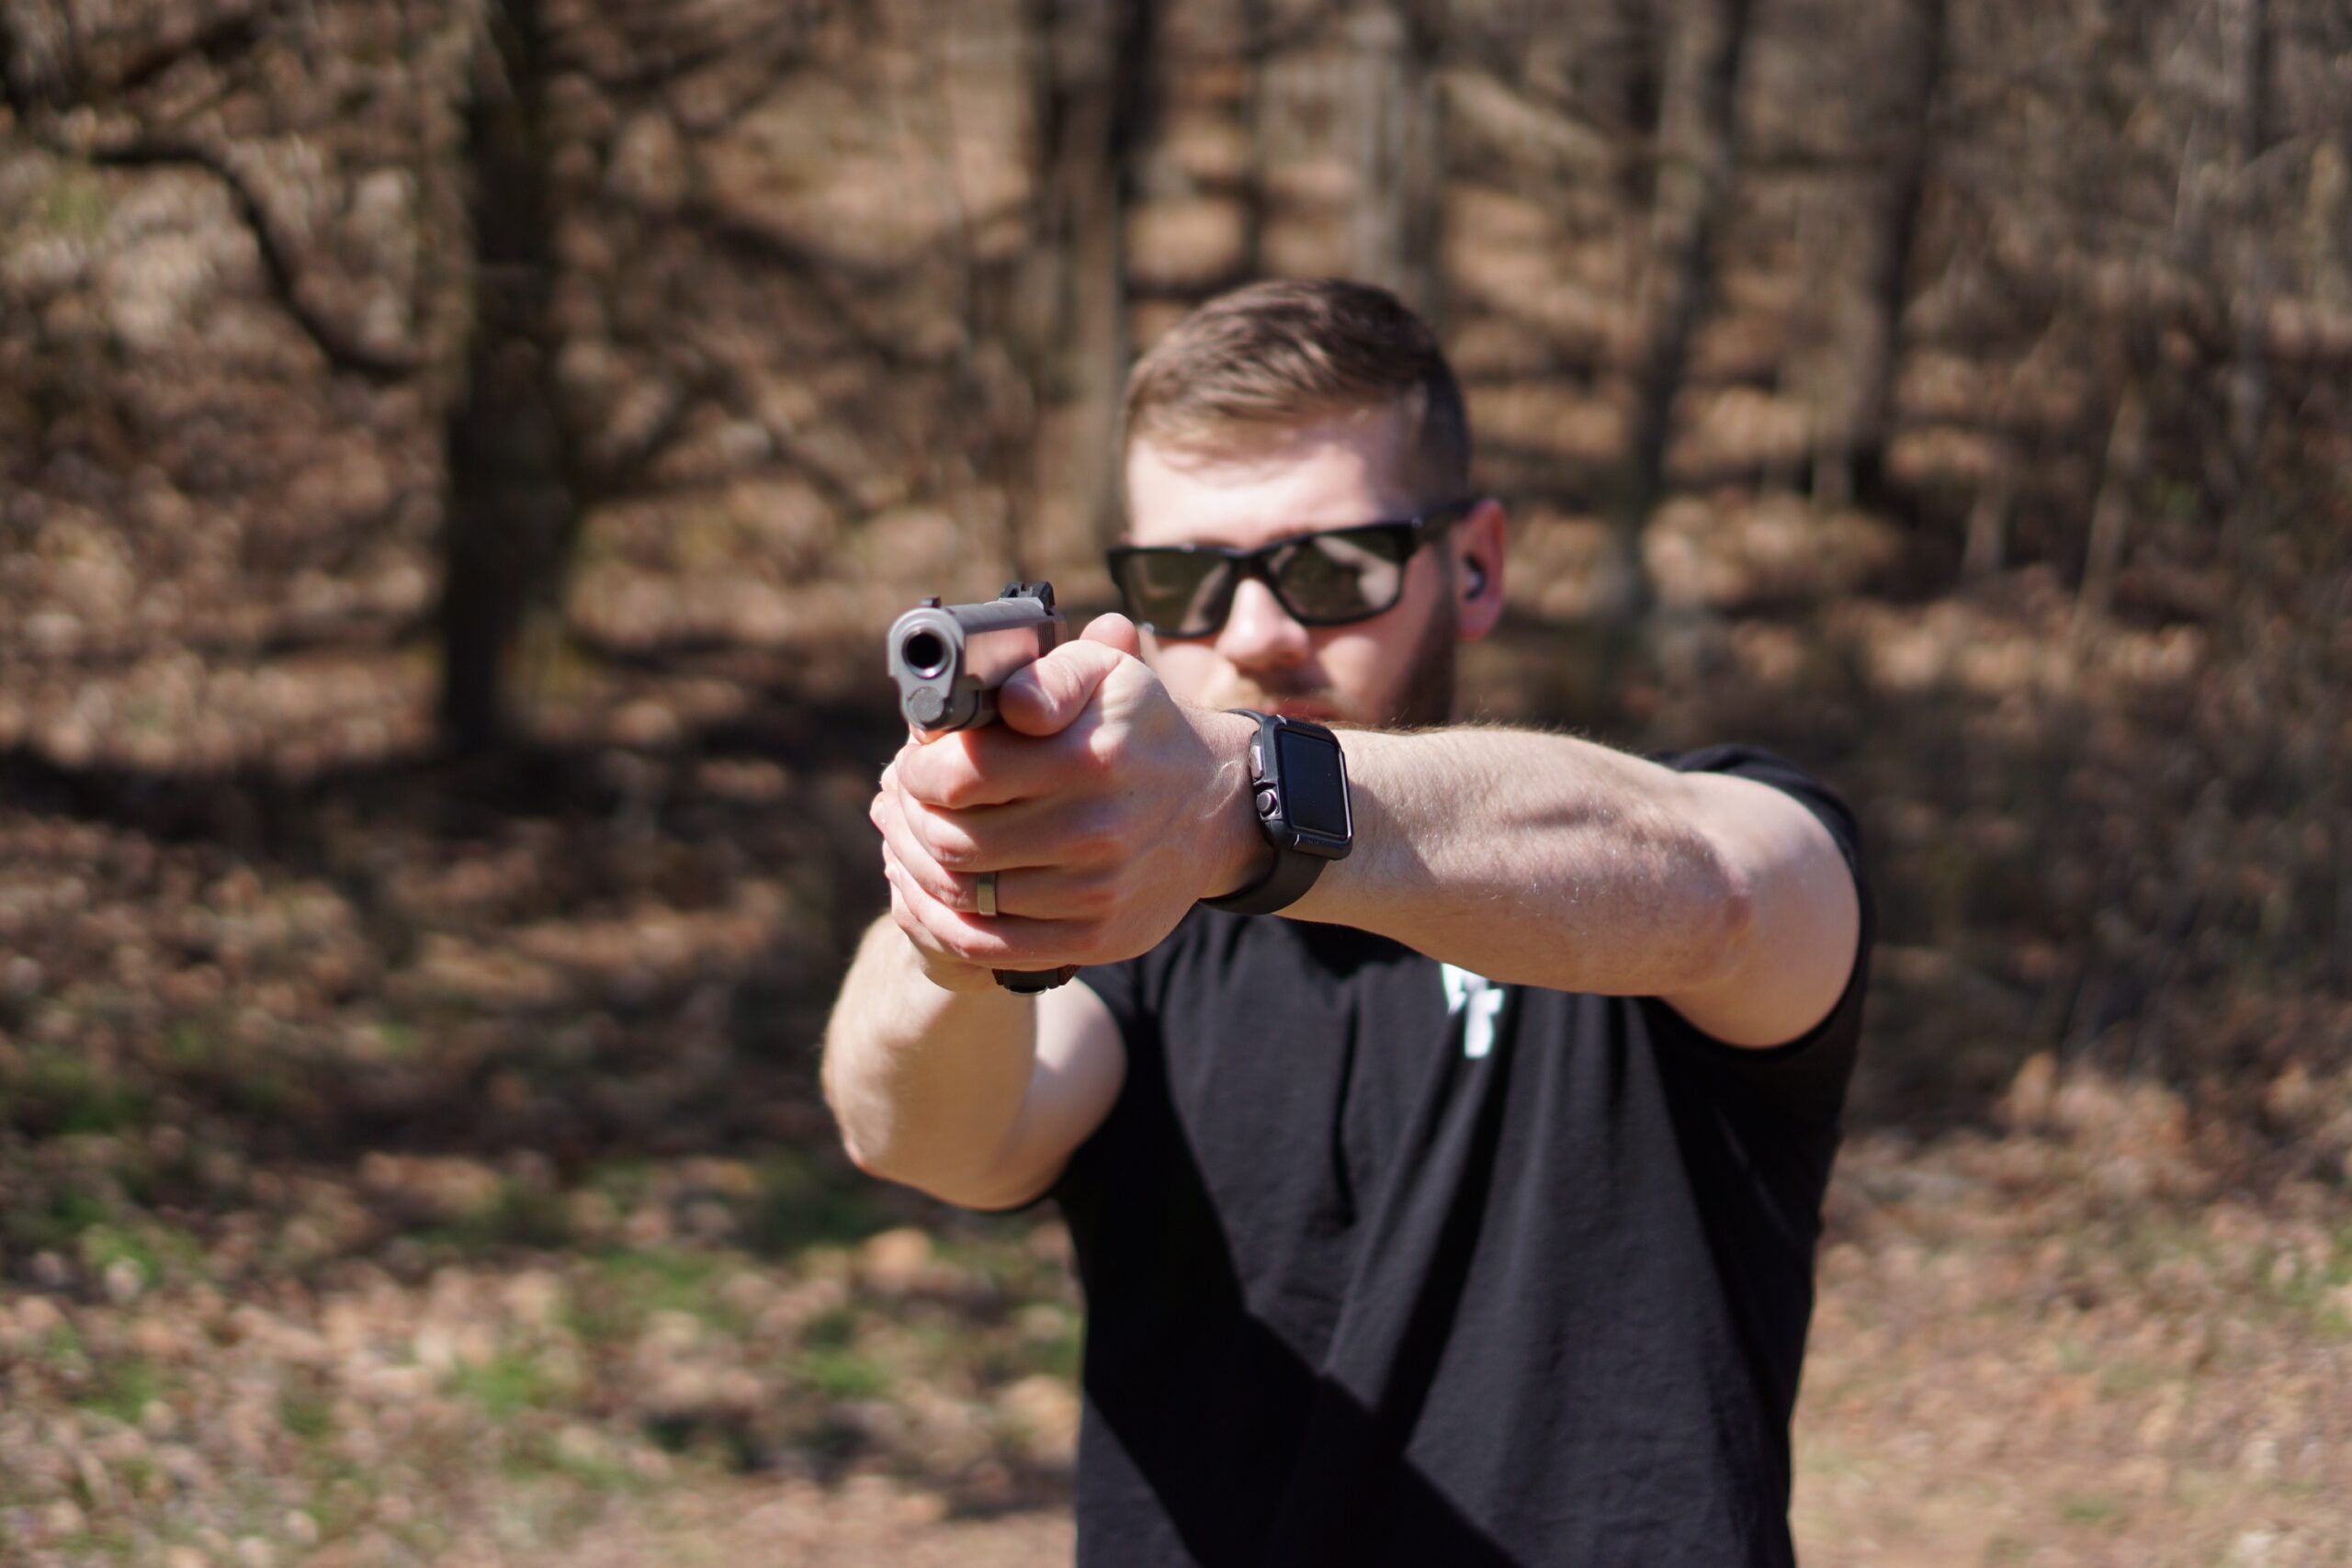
{"type": "Point", "coordinates": [987, 894]}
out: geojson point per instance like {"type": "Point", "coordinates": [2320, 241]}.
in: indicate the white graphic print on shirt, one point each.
{"type": "Point", "coordinates": [1485, 999]}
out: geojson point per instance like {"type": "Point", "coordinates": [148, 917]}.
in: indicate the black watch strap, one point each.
{"type": "Point", "coordinates": [1285, 884]}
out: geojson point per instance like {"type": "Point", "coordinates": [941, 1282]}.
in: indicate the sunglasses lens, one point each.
{"type": "Point", "coordinates": [1347, 575]}
{"type": "Point", "coordinates": [1176, 592]}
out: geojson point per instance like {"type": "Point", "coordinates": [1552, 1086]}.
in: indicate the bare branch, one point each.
{"type": "Point", "coordinates": [342, 348]}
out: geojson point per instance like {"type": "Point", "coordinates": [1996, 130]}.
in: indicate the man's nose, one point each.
{"type": "Point", "coordinates": [1259, 633]}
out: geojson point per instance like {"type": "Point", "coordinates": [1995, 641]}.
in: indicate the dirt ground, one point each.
{"type": "Point", "coordinates": [422, 1164]}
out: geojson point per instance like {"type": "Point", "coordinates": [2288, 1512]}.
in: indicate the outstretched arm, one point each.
{"type": "Point", "coordinates": [972, 1093]}
{"type": "Point", "coordinates": [1527, 857]}
{"type": "Point", "coordinates": [1544, 860]}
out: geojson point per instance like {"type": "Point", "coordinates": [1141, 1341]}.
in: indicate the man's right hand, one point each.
{"type": "Point", "coordinates": [940, 966]}
{"type": "Point", "coordinates": [1105, 807]}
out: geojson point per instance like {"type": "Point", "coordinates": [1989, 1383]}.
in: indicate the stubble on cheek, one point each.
{"type": "Point", "coordinates": [1420, 696]}
{"type": "Point", "coordinates": [1427, 699]}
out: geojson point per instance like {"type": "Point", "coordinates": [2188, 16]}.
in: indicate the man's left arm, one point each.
{"type": "Point", "coordinates": [1544, 860]}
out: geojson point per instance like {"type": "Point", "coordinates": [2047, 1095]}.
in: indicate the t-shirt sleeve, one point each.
{"type": "Point", "coordinates": [1808, 1073]}
{"type": "Point", "coordinates": [1121, 987]}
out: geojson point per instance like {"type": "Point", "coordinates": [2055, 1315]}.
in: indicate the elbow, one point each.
{"type": "Point", "coordinates": [1725, 918]}
{"type": "Point", "coordinates": [870, 1149]}
{"type": "Point", "coordinates": [862, 1153]}
{"type": "Point", "coordinates": [959, 1188]}
{"type": "Point", "coordinates": [873, 1147]}
{"type": "Point", "coordinates": [864, 1138]}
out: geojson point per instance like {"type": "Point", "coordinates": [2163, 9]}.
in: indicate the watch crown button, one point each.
{"type": "Point", "coordinates": [1267, 803]}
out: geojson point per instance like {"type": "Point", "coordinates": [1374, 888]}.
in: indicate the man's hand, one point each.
{"type": "Point", "coordinates": [1105, 807]}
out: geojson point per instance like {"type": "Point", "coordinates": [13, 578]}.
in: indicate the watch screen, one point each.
{"type": "Point", "coordinates": [1313, 784]}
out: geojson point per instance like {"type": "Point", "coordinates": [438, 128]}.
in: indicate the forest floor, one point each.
{"type": "Point", "coordinates": [422, 1164]}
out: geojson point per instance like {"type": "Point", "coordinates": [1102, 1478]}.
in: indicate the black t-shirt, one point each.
{"type": "Point", "coordinates": [1373, 1281]}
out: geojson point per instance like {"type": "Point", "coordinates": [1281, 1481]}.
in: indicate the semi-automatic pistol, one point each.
{"type": "Point", "coordinates": [949, 659]}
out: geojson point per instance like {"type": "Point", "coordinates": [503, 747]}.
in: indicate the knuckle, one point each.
{"type": "Point", "coordinates": [1093, 895]}
{"type": "Point", "coordinates": [1099, 841]}
{"type": "Point", "coordinates": [951, 851]}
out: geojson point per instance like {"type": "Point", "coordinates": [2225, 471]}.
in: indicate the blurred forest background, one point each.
{"type": "Point", "coordinates": [457, 459]}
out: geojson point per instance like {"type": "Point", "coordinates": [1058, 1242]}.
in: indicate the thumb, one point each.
{"type": "Point", "coordinates": [1045, 697]}
{"type": "Point", "coordinates": [1115, 630]}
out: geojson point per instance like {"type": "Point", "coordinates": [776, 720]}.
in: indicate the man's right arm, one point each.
{"type": "Point", "coordinates": [973, 1094]}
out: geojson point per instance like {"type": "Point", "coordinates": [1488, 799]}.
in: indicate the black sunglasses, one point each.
{"type": "Point", "coordinates": [1330, 578]}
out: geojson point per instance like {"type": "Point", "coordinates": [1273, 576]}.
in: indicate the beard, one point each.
{"type": "Point", "coordinates": [1427, 700]}
{"type": "Point", "coordinates": [1422, 699]}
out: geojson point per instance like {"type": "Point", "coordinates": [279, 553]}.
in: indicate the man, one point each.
{"type": "Point", "coordinates": [1462, 1211]}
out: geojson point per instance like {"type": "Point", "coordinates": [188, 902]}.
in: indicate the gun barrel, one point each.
{"type": "Point", "coordinates": [948, 659]}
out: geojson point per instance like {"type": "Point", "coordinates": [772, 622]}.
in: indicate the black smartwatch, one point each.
{"type": "Point", "coordinates": [1298, 782]}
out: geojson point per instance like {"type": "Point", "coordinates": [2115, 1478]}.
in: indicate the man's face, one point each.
{"type": "Point", "coordinates": [1396, 669]}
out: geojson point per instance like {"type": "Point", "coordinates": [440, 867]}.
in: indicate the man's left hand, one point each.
{"type": "Point", "coordinates": [1105, 807]}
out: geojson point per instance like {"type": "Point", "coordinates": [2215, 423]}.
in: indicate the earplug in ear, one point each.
{"type": "Point", "coordinates": [1478, 579]}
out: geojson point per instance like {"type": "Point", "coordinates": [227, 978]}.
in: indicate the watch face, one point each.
{"type": "Point", "coordinates": [1314, 787]}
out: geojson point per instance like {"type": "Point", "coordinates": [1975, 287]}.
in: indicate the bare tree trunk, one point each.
{"type": "Point", "coordinates": [1906, 191]}
{"type": "Point", "coordinates": [509, 509]}
{"type": "Point", "coordinates": [1695, 153]}
{"type": "Point", "coordinates": [1256, 54]}
{"type": "Point", "coordinates": [2126, 464]}
{"type": "Point", "coordinates": [2250, 277]}
{"type": "Point", "coordinates": [1096, 86]}
{"type": "Point", "coordinates": [1988, 519]}
{"type": "Point", "coordinates": [1400, 172]}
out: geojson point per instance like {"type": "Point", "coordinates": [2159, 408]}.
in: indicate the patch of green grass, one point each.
{"type": "Point", "coordinates": [306, 1415]}
{"type": "Point", "coordinates": [507, 1385]}
{"type": "Point", "coordinates": [61, 1348]}
{"type": "Point", "coordinates": [2090, 1510]}
{"type": "Point", "coordinates": [156, 1249]}
{"type": "Point", "coordinates": [845, 1375]}
{"type": "Point", "coordinates": [804, 1203]}
{"type": "Point", "coordinates": [534, 1453]}
{"type": "Point", "coordinates": [191, 1045]}
{"type": "Point", "coordinates": [524, 1214]}
{"type": "Point", "coordinates": [55, 1223]}
{"type": "Point", "coordinates": [623, 1288]}
{"type": "Point", "coordinates": [139, 1474]}
{"type": "Point", "coordinates": [400, 1041]}
{"type": "Point", "coordinates": [1063, 1355]}
{"type": "Point", "coordinates": [74, 205]}
{"type": "Point", "coordinates": [344, 1498]}
{"type": "Point", "coordinates": [122, 1389]}
{"type": "Point", "coordinates": [835, 1330]}
{"type": "Point", "coordinates": [2123, 1379]}
{"type": "Point", "coordinates": [55, 1092]}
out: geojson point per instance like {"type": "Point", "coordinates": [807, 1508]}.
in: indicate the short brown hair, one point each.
{"type": "Point", "coordinates": [1275, 357]}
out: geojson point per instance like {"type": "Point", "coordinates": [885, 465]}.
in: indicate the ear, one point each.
{"type": "Point", "coordinates": [1477, 544]}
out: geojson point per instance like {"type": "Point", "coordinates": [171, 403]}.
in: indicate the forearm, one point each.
{"type": "Point", "coordinates": [1534, 859]}
{"type": "Point", "coordinates": [928, 1084]}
